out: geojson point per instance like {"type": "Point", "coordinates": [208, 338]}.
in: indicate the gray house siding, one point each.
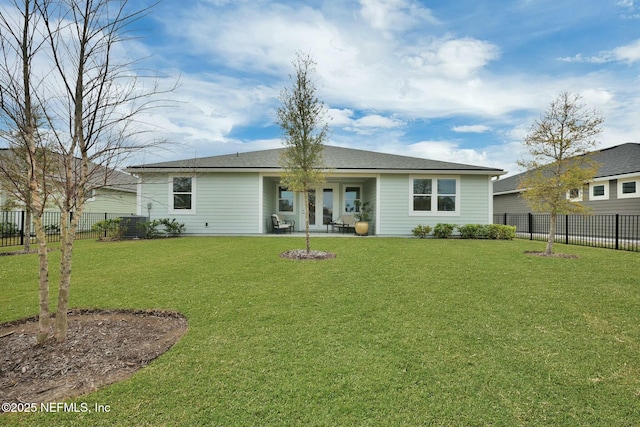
{"type": "Point", "coordinates": [513, 203]}
{"type": "Point", "coordinates": [236, 194]}
{"type": "Point", "coordinates": [222, 202]}
{"type": "Point", "coordinates": [395, 217]}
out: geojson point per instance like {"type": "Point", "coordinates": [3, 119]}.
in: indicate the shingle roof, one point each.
{"type": "Point", "coordinates": [99, 176]}
{"type": "Point", "coordinates": [619, 160]}
{"type": "Point", "coordinates": [335, 158]}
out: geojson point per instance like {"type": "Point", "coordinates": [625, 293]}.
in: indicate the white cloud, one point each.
{"type": "Point", "coordinates": [471, 129]}
{"type": "Point", "coordinates": [628, 53]}
{"type": "Point", "coordinates": [447, 152]}
{"type": "Point", "coordinates": [395, 15]}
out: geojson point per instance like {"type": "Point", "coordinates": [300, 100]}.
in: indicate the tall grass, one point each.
{"type": "Point", "coordinates": [391, 332]}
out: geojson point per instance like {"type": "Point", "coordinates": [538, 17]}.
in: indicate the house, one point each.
{"type": "Point", "coordinates": [237, 193]}
{"type": "Point", "coordinates": [614, 190]}
{"type": "Point", "coordinates": [110, 191]}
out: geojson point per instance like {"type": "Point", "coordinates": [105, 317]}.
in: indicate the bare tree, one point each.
{"type": "Point", "coordinates": [93, 97]}
{"type": "Point", "coordinates": [302, 117]}
{"type": "Point", "coordinates": [558, 145]}
{"type": "Point", "coordinates": [93, 119]}
{"type": "Point", "coordinates": [22, 170]}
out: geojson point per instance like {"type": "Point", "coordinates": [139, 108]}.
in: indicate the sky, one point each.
{"type": "Point", "coordinates": [460, 81]}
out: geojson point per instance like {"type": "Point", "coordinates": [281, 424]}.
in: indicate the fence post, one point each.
{"type": "Point", "coordinates": [22, 215]}
{"type": "Point", "coordinates": [566, 229]}
{"type": "Point", "coordinates": [505, 219]}
{"type": "Point", "coordinates": [617, 229]}
{"type": "Point", "coordinates": [530, 226]}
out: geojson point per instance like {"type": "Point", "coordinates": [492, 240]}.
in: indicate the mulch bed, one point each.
{"type": "Point", "coordinates": [303, 255]}
{"type": "Point", "coordinates": [553, 255]}
{"type": "Point", "coordinates": [102, 347]}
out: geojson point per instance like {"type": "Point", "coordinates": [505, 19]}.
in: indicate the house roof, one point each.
{"type": "Point", "coordinates": [614, 161]}
{"type": "Point", "coordinates": [99, 176]}
{"type": "Point", "coordinates": [335, 158]}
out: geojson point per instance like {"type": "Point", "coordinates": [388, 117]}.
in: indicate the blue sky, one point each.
{"type": "Point", "coordinates": [459, 80]}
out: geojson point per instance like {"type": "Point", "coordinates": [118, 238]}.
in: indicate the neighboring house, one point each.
{"type": "Point", "coordinates": [113, 191]}
{"type": "Point", "coordinates": [614, 190]}
{"type": "Point", "coordinates": [237, 193]}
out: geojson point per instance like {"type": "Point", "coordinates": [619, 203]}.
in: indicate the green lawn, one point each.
{"type": "Point", "coordinates": [391, 332]}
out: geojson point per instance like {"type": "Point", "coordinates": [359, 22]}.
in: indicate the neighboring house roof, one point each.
{"type": "Point", "coordinates": [619, 160]}
{"type": "Point", "coordinates": [335, 158]}
{"type": "Point", "coordinates": [100, 176]}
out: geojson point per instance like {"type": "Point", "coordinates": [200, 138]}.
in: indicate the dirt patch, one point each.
{"type": "Point", "coordinates": [312, 255]}
{"type": "Point", "coordinates": [542, 254]}
{"type": "Point", "coordinates": [23, 252]}
{"type": "Point", "coordinates": [102, 347]}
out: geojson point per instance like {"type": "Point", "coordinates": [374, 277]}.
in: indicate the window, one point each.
{"type": "Point", "coordinates": [599, 191]}
{"type": "Point", "coordinates": [575, 195]}
{"type": "Point", "coordinates": [285, 200]}
{"type": "Point", "coordinates": [627, 189]}
{"type": "Point", "coordinates": [352, 199]}
{"type": "Point", "coordinates": [446, 195]}
{"type": "Point", "coordinates": [182, 190]}
{"type": "Point", "coordinates": [434, 196]}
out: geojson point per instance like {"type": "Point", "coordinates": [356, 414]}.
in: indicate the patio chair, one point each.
{"type": "Point", "coordinates": [345, 223]}
{"type": "Point", "coordinates": [281, 225]}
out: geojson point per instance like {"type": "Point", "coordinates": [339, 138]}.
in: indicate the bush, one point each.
{"type": "Point", "coordinates": [488, 231]}
{"type": "Point", "coordinates": [504, 232]}
{"type": "Point", "coordinates": [8, 229]}
{"type": "Point", "coordinates": [443, 231]}
{"type": "Point", "coordinates": [472, 231]}
{"type": "Point", "coordinates": [421, 231]}
{"type": "Point", "coordinates": [52, 229]}
{"type": "Point", "coordinates": [110, 228]}
{"type": "Point", "coordinates": [172, 228]}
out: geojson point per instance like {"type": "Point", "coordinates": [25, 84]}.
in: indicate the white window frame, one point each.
{"type": "Point", "coordinates": [278, 198]}
{"type": "Point", "coordinates": [344, 201]}
{"type": "Point", "coordinates": [434, 196]}
{"type": "Point", "coordinates": [605, 196]}
{"type": "Point", "coordinates": [191, 211]}
{"type": "Point", "coordinates": [622, 195]}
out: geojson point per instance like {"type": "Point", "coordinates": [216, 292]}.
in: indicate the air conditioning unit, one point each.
{"type": "Point", "coordinates": [131, 226]}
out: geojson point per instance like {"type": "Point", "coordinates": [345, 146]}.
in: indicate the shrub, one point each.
{"type": "Point", "coordinates": [443, 231]}
{"type": "Point", "coordinates": [111, 228]}
{"type": "Point", "coordinates": [172, 228]}
{"type": "Point", "coordinates": [8, 229]}
{"type": "Point", "coordinates": [421, 231]}
{"type": "Point", "coordinates": [488, 231]}
{"type": "Point", "coordinates": [52, 229]}
{"type": "Point", "coordinates": [150, 229]}
{"type": "Point", "coordinates": [504, 232]}
{"type": "Point", "coordinates": [472, 231]}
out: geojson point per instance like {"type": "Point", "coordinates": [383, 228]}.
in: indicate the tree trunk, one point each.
{"type": "Point", "coordinates": [306, 220]}
{"type": "Point", "coordinates": [44, 320]}
{"type": "Point", "coordinates": [68, 228]}
{"type": "Point", "coordinates": [552, 232]}
{"type": "Point", "coordinates": [26, 229]}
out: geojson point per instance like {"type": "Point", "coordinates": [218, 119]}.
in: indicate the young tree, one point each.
{"type": "Point", "coordinates": [92, 117]}
{"type": "Point", "coordinates": [22, 170]}
{"type": "Point", "coordinates": [92, 100]}
{"type": "Point", "coordinates": [302, 117]}
{"type": "Point", "coordinates": [558, 144]}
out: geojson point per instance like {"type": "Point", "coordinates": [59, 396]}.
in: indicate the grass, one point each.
{"type": "Point", "coordinates": [391, 332]}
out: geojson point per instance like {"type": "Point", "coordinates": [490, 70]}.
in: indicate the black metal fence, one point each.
{"type": "Point", "coordinates": [13, 231]}
{"type": "Point", "coordinates": [603, 231]}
